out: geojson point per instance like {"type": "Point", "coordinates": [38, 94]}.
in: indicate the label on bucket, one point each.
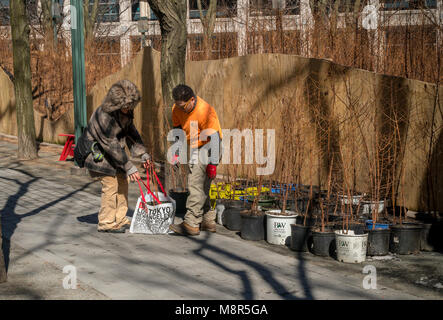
{"type": "Point", "coordinates": [347, 245]}
{"type": "Point", "coordinates": [280, 228]}
{"type": "Point", "coordinates": [351, 249]}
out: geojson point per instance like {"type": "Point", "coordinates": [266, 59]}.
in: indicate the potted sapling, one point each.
{"type": "Point", "coordinates": [179, 193]}
{"type": "Point", "coordinates": [301, 230]}
{"type": "Point", "coordinates": [378, 233]}
{"type": "Point", "coordinates": [278, 221]}
{"type": "Point", "coordinates": [252, 225]}
{"type": "Point", "coordinates": [350, 246]}
{"type": "Point", "coordinates": [231, 214]}
{"type": "Point", "coordinates": [405, 237]}
{"type": "Point", "coordinates": [323, 238]}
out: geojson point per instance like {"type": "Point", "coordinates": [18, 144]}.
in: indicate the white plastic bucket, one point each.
{"type": "Point", "coordinates": [369, 207]}
{"type": "Point", "coordinates": [351, 248]}
{"type": "Point", "coordinates": [219, 209]}
{"type": "Point", "coordinates": [278, 227]}
{"type": "Point", "coordinates": [355, 200]}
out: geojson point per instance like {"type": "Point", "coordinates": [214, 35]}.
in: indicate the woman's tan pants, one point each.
{"type": "Point", "coordinates": [114, 205]}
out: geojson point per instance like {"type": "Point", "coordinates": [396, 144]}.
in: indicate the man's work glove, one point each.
{"type": "Point", "coordinates": [211, 171]}
{"type": "Point", "coordinates": [174, 162]}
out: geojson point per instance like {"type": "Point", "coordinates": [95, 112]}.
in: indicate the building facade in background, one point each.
{"type": "Point", "coordinates": [242, 26]}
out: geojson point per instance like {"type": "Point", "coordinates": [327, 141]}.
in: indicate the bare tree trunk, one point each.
{"type": "Point", "coordinates": [208, 22]}
{"type": "Point", "coordinates": [3, 275]}
{"type": "Point", "coordinates": [47, 23]}
{"type": "Point", "coordinates": [27, 147]}
{"type": "Point", "coordinates": [172, 18]}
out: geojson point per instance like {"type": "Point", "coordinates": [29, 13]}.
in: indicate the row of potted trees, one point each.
{"type": "Point", "coordinates": [308, 219]}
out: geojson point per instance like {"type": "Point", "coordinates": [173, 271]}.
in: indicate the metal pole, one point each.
{"type": "Point", "coordinates": [78, 69]}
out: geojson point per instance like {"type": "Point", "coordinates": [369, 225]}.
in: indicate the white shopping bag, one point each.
{"type": "Point", "coordinates": [153, 218]}
{"type": "Point", "coordinates": [155, 211]}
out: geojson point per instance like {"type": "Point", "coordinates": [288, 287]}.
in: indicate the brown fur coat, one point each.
{"type": "Point", "coordinates": [111, 128]}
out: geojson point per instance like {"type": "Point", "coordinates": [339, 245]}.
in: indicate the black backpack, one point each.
{"type": "Point", "coordinates": [82, 149]}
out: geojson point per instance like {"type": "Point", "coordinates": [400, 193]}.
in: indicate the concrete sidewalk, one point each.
{"type": "Point", "coordinates": [50, 219]}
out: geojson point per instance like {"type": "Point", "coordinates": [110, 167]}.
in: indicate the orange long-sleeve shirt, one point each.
{"type": "Point", "coordinates": [205, 116]}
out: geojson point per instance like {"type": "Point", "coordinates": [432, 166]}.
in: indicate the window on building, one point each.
{"type": "Point", "coordinates": [4, 12]}
{"type": "Point", "coordinates": [260, 7]}
{"type": "Point", "coordinates": [348, 5]}
{"type": "Point", "coordinates": [108, 10]}
{"type": "Point", "coordinates": [408, 4]}
{"type": "Point", "coordinates": [31, 7]}
{"type": "Point", "coordinates": [292, 7]}
{"type": "Point", "coordinates": [267, 7]}
{"type": "Point", "coordinates": [225, 8]}
{"type": "Point", "coordinates": [135, 10]}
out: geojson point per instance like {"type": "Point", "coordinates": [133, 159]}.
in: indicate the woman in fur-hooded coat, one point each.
{"type": "Point", "coordinates": [111, 126]}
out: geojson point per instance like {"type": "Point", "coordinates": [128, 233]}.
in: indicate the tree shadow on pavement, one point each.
{"type": "Point", "coordinates": [10, 219]}
{"type": "Point", "coordinates": [266, 274]}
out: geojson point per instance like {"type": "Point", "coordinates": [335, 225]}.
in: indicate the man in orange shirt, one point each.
{"type": "Point", "coordinates": [200, 123]}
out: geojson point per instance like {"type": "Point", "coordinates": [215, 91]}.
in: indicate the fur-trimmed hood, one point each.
{"type": "Point", "coordinates": [122, 94]}
{"type": "Point", "coordinates": [112, 130]}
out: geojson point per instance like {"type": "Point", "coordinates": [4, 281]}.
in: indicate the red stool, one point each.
{"type": "Point", "coordinates": [68, 149]}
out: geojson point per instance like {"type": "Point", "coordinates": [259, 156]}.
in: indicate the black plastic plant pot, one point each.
{"type": "Point", "coordinates": [236, 204]}
{"type": "Point", "coordinates": [310, 221]}
{"type": "Point", "coordinates": [232, 218]}
{"type": "Point", "coordinates": [180, 201]}
{"type": "Point", "coordinates": [378, 242]}
{"type": "Point", "coordinates": [299, 237]}
{"type": "Point", "coordinates": [252, 227]}
{"type": "Point", "coordinates": [358, 228]}
{"type": "Point", "coordinates": [266, 203]}
{"type": "Point", "coordinates": [323, 243]}
{"type": "Point", "coordinates": [405, 239]}
{"type": "Point", "coordinates": [425, 241]}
